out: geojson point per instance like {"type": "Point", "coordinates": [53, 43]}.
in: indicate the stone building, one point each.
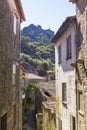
{"type": "Point", "coordinates": [45, 105]}
{"type": "Point", "coordinates": [11, 16]}
{"type": "Point", "coordinates": [81, 63]}
{"type": "Point", "coordinates": [65, 55]}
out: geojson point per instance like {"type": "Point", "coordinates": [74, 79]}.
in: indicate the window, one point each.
{"type": "Point", "coordinates": [79, 36]}
{"type": "Point", "coordinates": [3, 122]}
{"type": "Point", "coordinates": [60, 124]}
{"type": "Point", "coordinates": [80, 98]}
{"type": "Point", "coordinates": [15, 23]}
{"type": "Point", "coordinates": [59, 54]}
{"type": "Point", "coordinates": [72, 123]}
{"type": "Point", "coordinates": [14, 115]}
{"type": "Point", "coordinates": [13, 73]}
{"type": "Point", "coordinates": [69, 49]}
{"type": "Point", "coordinates": [64, 95]}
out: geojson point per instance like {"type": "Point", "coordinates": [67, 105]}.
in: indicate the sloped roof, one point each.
{"type": "Point", "coordinates": [48, 88]}
{"type": "Point", "coordinates": [34, 77]}
{"type": "Point", "coordinates": [68, 21]}
{"type": "Point", "coordinates": [20, 9]}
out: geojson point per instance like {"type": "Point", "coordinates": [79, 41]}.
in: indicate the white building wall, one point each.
{"type": "Point", "coordinates": [66, 73]}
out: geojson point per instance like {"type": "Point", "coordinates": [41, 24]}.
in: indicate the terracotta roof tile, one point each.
{"type": "Point", "coordinates": [73, 1]}
{"type": "Point", "coordinates": [20, 9]}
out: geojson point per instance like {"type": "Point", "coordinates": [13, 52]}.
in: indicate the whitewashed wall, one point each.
{"type": "Point", "coordinates": [66, 73]}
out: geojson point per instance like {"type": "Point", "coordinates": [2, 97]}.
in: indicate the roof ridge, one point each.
{"type": "Point", "coordinates": [63, 27]}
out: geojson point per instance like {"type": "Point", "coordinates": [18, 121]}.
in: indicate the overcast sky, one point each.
{"type": "Point", "coordinates": [47, 13]}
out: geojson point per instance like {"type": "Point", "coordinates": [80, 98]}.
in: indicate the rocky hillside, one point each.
{"type": "Point", "coordinates": [37, 34]}
{"type": "Point", "coordinates": [36, 47]}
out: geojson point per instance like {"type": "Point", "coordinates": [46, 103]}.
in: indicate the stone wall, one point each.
{"type": "Point", "coordinates": [81, 68]}
{"type": "Point", "coordinates": [49, 116]}
{"type": "Point", "coordinates": [9, 52]}
{"type": "Point", "coordinates": [45, 105]}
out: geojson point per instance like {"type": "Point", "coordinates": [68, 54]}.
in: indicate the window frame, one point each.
{"type": "Point", "coordinates": [14, 115]}
{"type": "Point", "coordinates": [59, 53]}
{"type": "Point", "coordinates": [69, 48]}
{"type": "Point", "coordinates": [64, 93]}
{"type": "Point", "coordinates": [5, 121]}
{"type": "Point", "coordinates": [15, 23]}
{"type": "Point", "coordinates": [80, 103]}
{"type": "Point", "coordinates": [14, 73]}
{"type": "Point", "coordinates": [72, 123]}
{"type": "Point", "coordinates": [60, 124]}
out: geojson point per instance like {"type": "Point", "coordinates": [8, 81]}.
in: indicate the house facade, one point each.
{"type": "Point", "coordinates": [81, 63]}
{"type": "Point", "coordinates": [65, 55]}
{"type": "Point", "coordinates": [11, 16]}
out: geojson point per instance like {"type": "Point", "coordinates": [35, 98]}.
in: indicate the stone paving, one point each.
{"type": "Point", "coordinates": [30, 125]}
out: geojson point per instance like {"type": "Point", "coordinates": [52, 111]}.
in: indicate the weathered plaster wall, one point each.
{"type": "Point", "coordinates": [49, 118]}
{"type": "Point", "coordinates": [81, 75]}
{"type": "Point", "coordinates": [9, 52]}
{"type": "Point", "coordinates": [66, 73]}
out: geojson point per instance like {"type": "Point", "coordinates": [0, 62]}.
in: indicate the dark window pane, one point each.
{"type": "Point", "coordinates": [64, 96]}
{"type": "Point", "coordinates": [59, 54]}
{"type": "Point", "coordinates": [69, 50]}
{"type": "Point", "coordinates": [4, 122]}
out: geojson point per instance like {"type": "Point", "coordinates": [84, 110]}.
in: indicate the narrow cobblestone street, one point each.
{"type": "Point", "coordinates": [30, 125]}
